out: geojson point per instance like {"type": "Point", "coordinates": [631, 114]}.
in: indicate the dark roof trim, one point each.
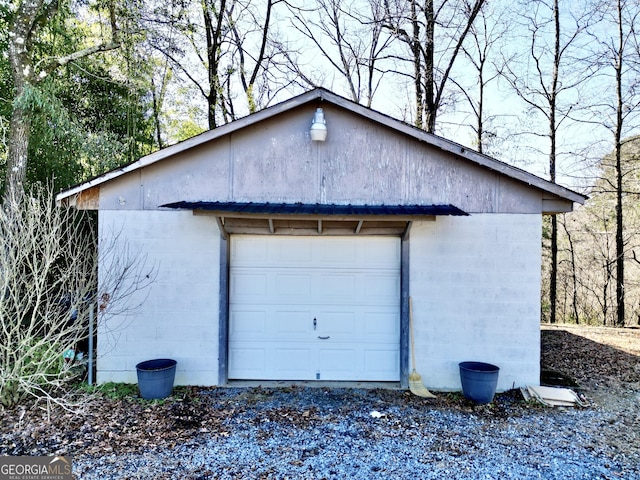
{"type": "Point", "coordinates": [317, 209]}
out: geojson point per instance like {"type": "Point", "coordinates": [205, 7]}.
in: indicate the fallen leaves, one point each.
{"type": "Point", "coordinates": [115, 426]}
{"type": "Point", "coordinates": [594, 357]}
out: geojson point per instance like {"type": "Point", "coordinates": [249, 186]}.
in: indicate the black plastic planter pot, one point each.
{"type": "Point", "coordinates": [479, 381]}
{"type": "Point", "coordinates": [156, 377]}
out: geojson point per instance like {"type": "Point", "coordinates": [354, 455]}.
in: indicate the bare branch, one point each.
{"type": "Point", "coordinates": [48, 280]}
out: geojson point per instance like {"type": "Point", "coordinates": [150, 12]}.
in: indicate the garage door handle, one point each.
{"type": "Point", "coordinates": [323, 338]}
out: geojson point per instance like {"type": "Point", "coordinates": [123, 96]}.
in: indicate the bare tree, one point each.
{"type": "Point", "coordinates": [351, 38]}
{"type": "Point", "coordinates": [223, 48]}
{"type": "Point", "coordinates": [249, 72]}
{"type": "Point", "coordinates": [213, 13]}
{"type": "Point", "coordinates": [619, 186]}
{"type": "Point", "coordinates": [27, 70]}
{"type": "Point", "coordinates": [158, 95]}
{"type": "Point", "coordinates": [587, 248]}
{"type": "Point", "coordinates": [620, 55]}
{"type": "Point", "coordinates": [48, 280]}
{"type": "Point", "coordinates": [487, 31]}
{"type": "Point", "coordinates": [599, 278]}
{"type": "Point", "coordinates": [435, 35]}
{"type": "Point", "coordinates": [553, 71]}
{"type": "Point", "coordinates": [572, 277]}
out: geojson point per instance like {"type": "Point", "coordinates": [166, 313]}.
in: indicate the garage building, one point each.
{"type": "Point", "coordinates": [281, 256]}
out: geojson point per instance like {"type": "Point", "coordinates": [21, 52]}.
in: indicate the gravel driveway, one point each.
{"type": "Point", "coordinates": [314, 433]}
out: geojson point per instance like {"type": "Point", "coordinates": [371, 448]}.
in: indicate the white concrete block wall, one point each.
{"type": "Point", "coordinates": [180, 316]}
{"type": "Point", "coordinates": [475, 285]}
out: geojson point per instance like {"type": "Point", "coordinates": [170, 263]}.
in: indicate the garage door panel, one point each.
{"type": "Point", "coordinates": [291, 364]}
{"type": "Point", "coordinates": [247, 361]}
{"type": "Point", "coordinates": [338, 363]}
{"type": "Point", "coordinates": [358, 288]}
{"type": "Point", "coordinates": [380, 255]}
{"type": "Point", "coordinates": [336, 287]}
{"type": "Point", "coordinates": [381, 324]}
{"type": "Point", "coordinates": [249, 251]}
{"type": "Point", "coordinates": [246, 285]}
{"type": "Point", "coordinates": [292, 253]}
{"type": "Point", "coordinates": [350, 285]}
{"type": "Point", "coordinates": [247, 322]}
{"type": "Point", "coordinates": [381, 363]}
{"type": "Point", "coordinates": [293, 323]}
{"type": "Point", "coordinates": [292, 285]}
{"type": "Point", "coordinates": [336, 324]}
{"type": "Point", "coordinates": [268, 361]}
{"type": "Point", "coordinates": [335, 252]}
{"type": "Point", "coordinates": [382, 289]}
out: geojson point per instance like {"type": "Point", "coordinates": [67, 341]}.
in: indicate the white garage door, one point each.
{"type": "Point", "coordinates": [314, 308]}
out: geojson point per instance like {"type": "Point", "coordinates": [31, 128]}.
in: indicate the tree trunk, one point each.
{"type": "Point", "coordinates": [480, 118]}
{"type": "Point", "coordinates": [417, 64]}
{"type": "Point", "coordinates": [213, 20]}
{"type": "Point", "coordinates": [20, 123]}
{"type": "Point", "coordinates": [553, 281]}
{"type": "Point", "coordinates": [620, 294]}
{"type": "Point", "coordinates": [17, 154]}
{"type": "Point", "coordinates": [29, 17]}
{"type": "Point", "coordinates": [157, 96]}
{"type": "Point", "coordinates": [574, 274]}
{"type": "Point", "coordinates": [430, 108]}
{"type": "Point", "coordinates": [553, 133]}
{"type": "Point", "coordinates": [248, 85]}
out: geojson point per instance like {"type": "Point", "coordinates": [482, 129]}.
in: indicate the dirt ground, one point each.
{"type": "Point", "coordinates": [605, 364]}
{"type": "Point", "coordinates": [601, 360]}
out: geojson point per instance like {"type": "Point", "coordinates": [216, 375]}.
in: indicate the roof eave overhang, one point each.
{"type": "Point", "coordinates": [554, 206]}
{"type": "Point", "coordinates": [315, 219]}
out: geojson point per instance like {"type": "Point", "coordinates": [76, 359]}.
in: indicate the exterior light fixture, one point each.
{"type": "Point", "coordinates": [318, 127]}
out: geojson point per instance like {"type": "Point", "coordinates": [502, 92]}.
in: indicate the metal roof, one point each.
{"type": "Point", "coordinates": [316, 218]}
{"type": "Point", "coordinates": [318, 209]}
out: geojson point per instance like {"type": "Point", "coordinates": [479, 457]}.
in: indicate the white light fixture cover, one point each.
{"type": "Point", "coordinates": [319, 127]}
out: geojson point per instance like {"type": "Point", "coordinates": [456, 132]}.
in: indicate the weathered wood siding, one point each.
{"type": "Point", "coordinates": [361, 162]}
